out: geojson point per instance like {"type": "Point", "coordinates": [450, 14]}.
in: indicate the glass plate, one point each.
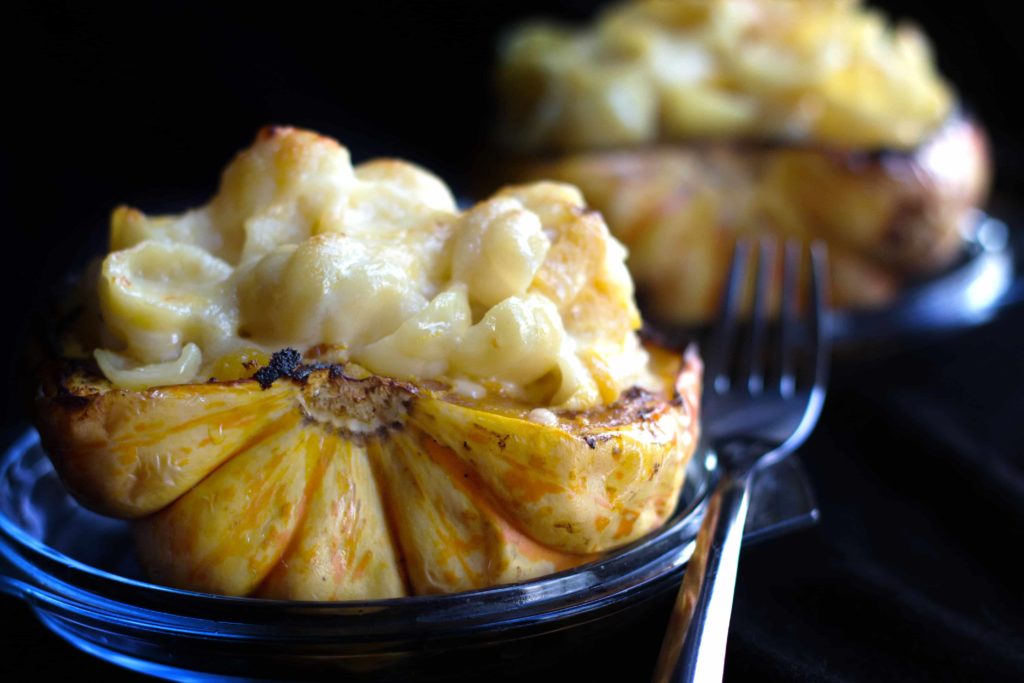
{"type": "Point", "coordinates": [77, 570]}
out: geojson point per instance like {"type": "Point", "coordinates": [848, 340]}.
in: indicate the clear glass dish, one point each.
{"type": "Point", "coordinates": [78, 572]}
{"type": "Point", "coordinates": [968, 292]}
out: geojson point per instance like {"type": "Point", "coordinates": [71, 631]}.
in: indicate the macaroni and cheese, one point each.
{"type": "Point", "coordinates": [523, 295]}
{"type": "Point", "coordinates": [825, 71]}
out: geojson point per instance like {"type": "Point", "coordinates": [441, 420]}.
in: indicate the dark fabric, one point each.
{"type": "Point", "coordinates": [914, 571]}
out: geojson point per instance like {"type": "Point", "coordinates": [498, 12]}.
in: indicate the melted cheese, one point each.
{"type": "Point", "coordinates": [525, 294]}
{"type": "Point", "coordinates": [828, 71]}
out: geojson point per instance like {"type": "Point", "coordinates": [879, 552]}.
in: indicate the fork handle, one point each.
{"type": "Point", "coordinates": [694, 645]}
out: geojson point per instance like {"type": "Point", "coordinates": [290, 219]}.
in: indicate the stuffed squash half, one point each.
{"type": "Point", "coordinates": [329, 383]}
{"type": "Point", "coordinates": [691, 123]}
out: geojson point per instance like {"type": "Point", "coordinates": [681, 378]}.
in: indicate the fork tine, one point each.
{"type": "Point", "coordinates": [723, 334]}
{"type": "Point", "coordinates": [818, 351]}
{"type": "Point", "coordinates": [763, 277]}
{"type": "Point", "coordinates": [788, 317]}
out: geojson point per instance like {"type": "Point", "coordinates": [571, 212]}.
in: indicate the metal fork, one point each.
{"type": "Point", "coordinates": [760, 405]}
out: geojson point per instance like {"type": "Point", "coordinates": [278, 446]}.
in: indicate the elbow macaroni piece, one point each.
{"type": "Point", "coordinates": [124, 373]}
{"type": "Point", "coordinates": [329, 289]}
{"type": "Point", "coordinates": [525, 294]}
{"type": "Point", "coordinates": [498, 250]}
{"type": "Point", "coordinates": [518, 340]}
{"type": "Point", "coordinates": [158, 296]}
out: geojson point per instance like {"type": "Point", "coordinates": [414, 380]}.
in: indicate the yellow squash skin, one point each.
{"type": "Point", "coordinates": [318, 482]}
{"type": "Point", "coordinates": [888, 218]}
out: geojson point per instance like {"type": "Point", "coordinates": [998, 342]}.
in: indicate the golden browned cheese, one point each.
{"type": "Point", "coordinates": [888, 218]}
{"type": "Point", "coordinates": [325, 483]}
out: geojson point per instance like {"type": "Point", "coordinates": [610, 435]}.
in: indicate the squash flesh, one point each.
{"type": "Point", "coordinates": [328, 487]}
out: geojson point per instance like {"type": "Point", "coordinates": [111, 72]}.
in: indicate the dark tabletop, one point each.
{"type": "Point", "coordinates": [918, 462]}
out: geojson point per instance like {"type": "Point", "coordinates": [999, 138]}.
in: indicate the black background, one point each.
{"type": "Point", "coordinates": [145, 105]}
